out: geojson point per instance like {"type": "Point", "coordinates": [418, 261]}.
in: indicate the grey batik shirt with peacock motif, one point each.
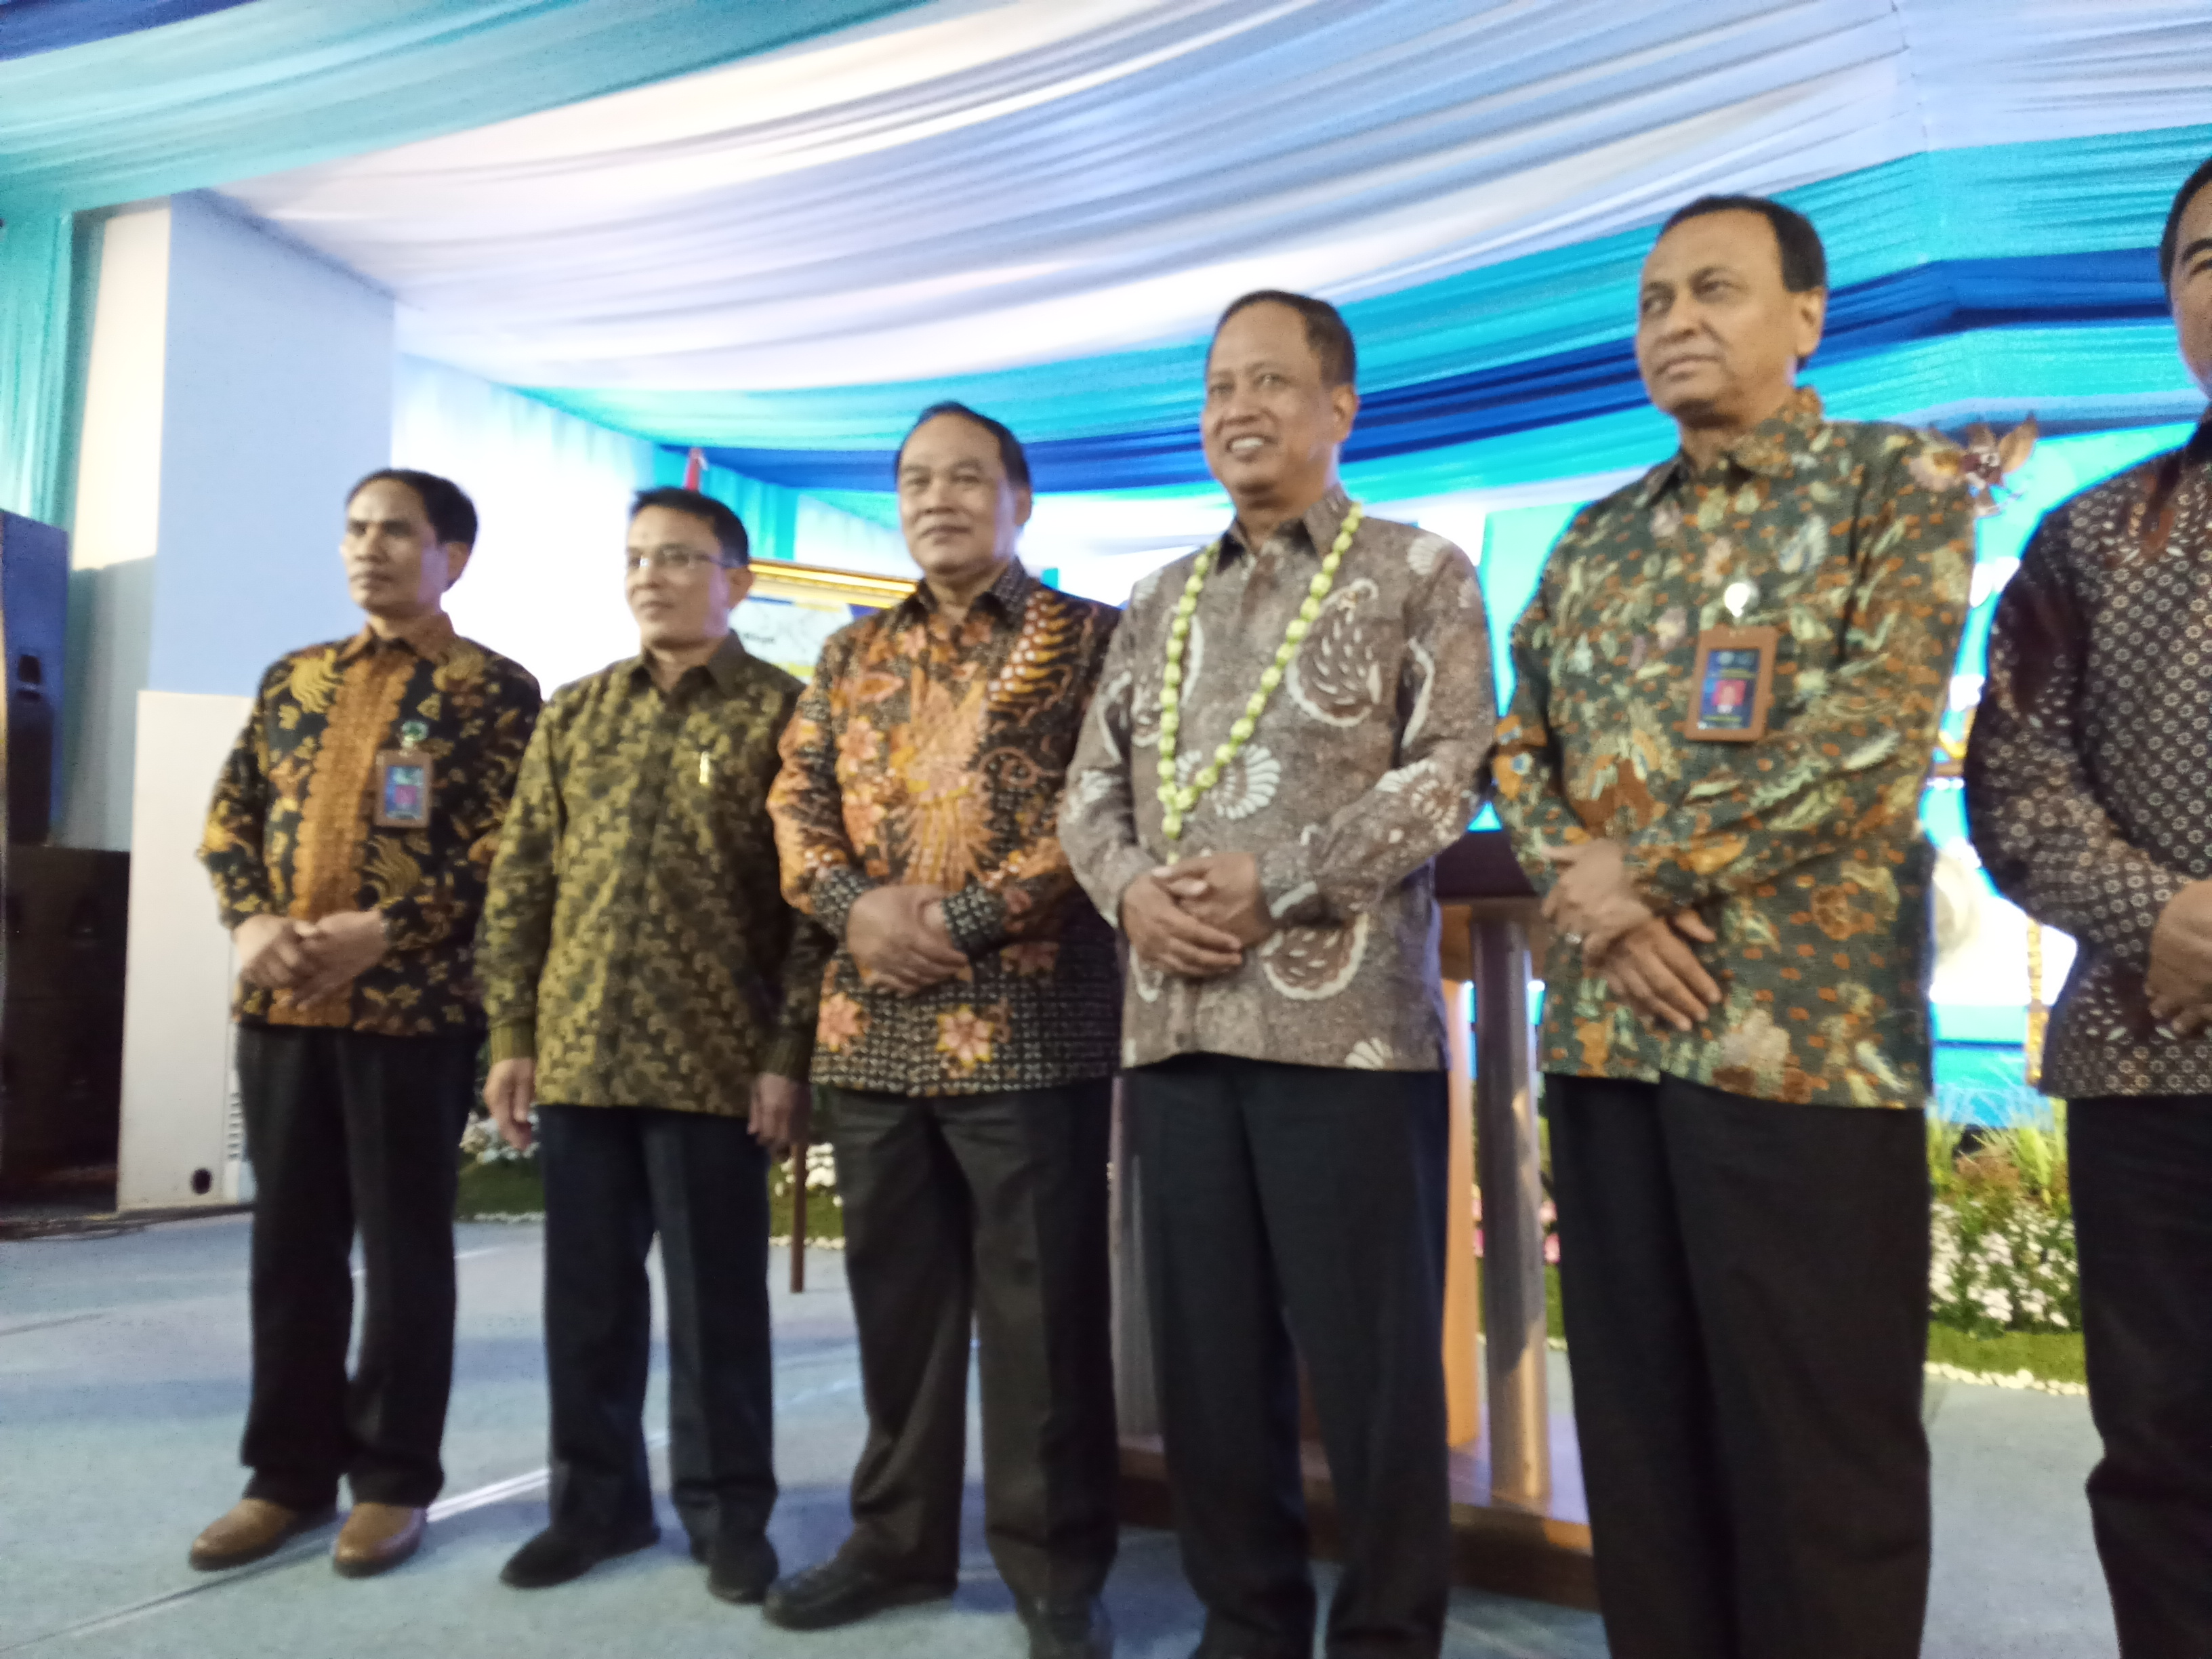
{"type": "Point", "coordinates": [1366, 764]}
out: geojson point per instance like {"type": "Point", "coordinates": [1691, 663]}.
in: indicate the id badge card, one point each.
{"type": "Point", "coordinates": [1732, 685]}
{"type": "Point", "coordinates": [403, 789]}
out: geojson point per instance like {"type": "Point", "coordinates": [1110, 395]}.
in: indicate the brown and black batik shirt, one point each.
{"type": "Point", "coordinates": [933, 751]}
{"type": "Point", "coordinates": [2089, 775]}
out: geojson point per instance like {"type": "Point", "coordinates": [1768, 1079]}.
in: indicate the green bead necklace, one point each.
{"type": "Point", "coordinates": [1179, 798]}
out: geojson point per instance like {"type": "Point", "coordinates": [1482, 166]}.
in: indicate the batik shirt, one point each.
{"type": "Point", "coordinates": [1803, 849]}
{"type": "Point", "coordinates": [636, 944]}
{"type": "Point", "coordinates": [929, 751]}
{"type": "Point", "coordinates": [2089, 773]}
{"type": "Point", "coordinates": [292, 831]}
{"type": "Point", "coordinates": [1365, 766]}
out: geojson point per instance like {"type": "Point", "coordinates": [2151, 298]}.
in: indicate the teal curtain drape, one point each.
{"type": "Point", "coordinates": [37, 289]}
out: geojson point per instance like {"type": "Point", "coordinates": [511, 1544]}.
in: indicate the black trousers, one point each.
{"type": "Point", "coordinates": [983, 1211]}
{"type": "Point", "coordinates": [1746, 1292]}
{"type": "Point", "coordinates": [614, 1177]}
{"type": "Point", "coordinates": [2142, 1178]}
{"type": "Point", "coordinates": [347, 1133]}
{"type": "Point", "coordinates": [1300, 1205]}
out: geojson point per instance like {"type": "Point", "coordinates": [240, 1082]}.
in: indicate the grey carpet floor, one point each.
{"type": "Point", "coordinates": [122, 1377]}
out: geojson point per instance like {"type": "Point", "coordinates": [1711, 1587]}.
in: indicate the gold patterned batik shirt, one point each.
{"type": "Point", "coordinates": [634, 943]}
{"type": "Point", "coordinates": [1803, 849]}
{"type": "Point", "coordinates": [932, 751]}
{"type": "Point", "coordinates": [2089, 777]}
{"type": "Point", "coordinates": [1366, 764]}
{"type": "Point", "coordinates": [292, 830]}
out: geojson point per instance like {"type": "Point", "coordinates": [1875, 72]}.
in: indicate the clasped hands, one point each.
{"type": "Point", "coordinates": [1644, 959]}
{"type": "Point", "coordinates": [315, 961]}
{"type": "Point", "coordinates": [1195, 918]}
{"type": "Point", "coordinates": [2180, 983]}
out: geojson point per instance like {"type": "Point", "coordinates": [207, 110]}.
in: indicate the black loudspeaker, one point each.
{"type": "Point", "coordinates": [34, 612]}
{"type": "Point", "coordinates": [67, 912]}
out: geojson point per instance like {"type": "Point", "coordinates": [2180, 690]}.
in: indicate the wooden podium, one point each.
{"type": "Point", "coordinates": [1519, 1522]}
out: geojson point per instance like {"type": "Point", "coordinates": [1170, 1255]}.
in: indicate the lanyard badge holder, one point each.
{"type": "Point", "coordinates": [404, 780]}
{"type": "Point", "coordinates": [1732, 683]}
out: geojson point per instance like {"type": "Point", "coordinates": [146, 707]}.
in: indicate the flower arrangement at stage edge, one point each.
{"type": "Point", "coordinates": [2003, 1255]}
{"type": "Point", "coordinates": [821, 1175]}
{"type": "Point", "coordinates": [1547, 1213]}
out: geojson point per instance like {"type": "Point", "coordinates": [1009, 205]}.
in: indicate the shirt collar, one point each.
{"type": "Point", "coordinates": [431, 637]}
{"type": "Point", "coordinates": [1007, 592]}
{"type": "Point", "coordinates": [1321, 523]}
{"type": "Point", "coordinates": [1768, 449]}
{"type": "Point", "coordinates": [726, 667]}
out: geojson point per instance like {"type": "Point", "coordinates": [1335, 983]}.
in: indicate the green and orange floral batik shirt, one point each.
{"type": "Point", "coordinates": [292, 831]}
{"type": "Point", "coordinates": [932, 751]}
{"type": "Point", "coordinates": [1803, 849]}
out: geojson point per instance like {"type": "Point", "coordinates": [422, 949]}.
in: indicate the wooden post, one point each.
{"type": "Point", "coordinates": [797, 1217]}
{"type": "Point", "coordinates": [1510, 1156]}
{"type": "Point", "coordinates": [1462, 1322]}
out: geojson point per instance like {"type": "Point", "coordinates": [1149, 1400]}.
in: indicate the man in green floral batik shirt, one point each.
{"type": "Point", "coordinates": [645, 982]}
{"type": "Point", "coordinates": [1728, 688]}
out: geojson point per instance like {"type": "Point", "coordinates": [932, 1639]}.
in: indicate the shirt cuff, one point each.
{"type": "Point", "coordinates": [515, 1040]}
{"type": "Point", "coordinates": [407, 925]}
{"type": "Point", "coordinates": [1121, 866]}
{"type": "Point", "coordinates": [976, 917]}
{"type": "Point", "coordinates": [2158, 890]}
{"type": "Point", "coordinates": [790, 1054]}
{"type": "Point", "coordinates": [1662, 880]}
{"type": "Point", "coordinates": [836, 892]}
{"type": "Point", "coordinates": [1288, 887]}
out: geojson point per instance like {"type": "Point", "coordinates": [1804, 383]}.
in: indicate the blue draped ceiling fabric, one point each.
{"type": "Point", "coordinates": [776, 232]}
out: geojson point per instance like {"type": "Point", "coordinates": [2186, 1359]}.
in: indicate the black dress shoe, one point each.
{"type": "Point", "coordinates": [555, 1557]}
{"type": "Point", "coordinates": [1067, 1630]}
{"type": "Point", "coordinates": [838, 1592]}
{"type": "Point", "coordinates": [740, 1567]}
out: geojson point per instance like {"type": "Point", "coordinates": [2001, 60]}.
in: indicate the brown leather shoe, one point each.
{"type": "Point", "coordinates": [251, 1528]}
{"type": "Point", "coordinates": [376, 1538]}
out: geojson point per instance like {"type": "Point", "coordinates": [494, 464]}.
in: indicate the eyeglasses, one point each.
{"type": "Point", "coordinates": [676, 561]}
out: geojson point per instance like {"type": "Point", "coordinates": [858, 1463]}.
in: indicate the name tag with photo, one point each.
{"type": "Point", "coordinates": [1732, 685]}
{"type": "Point", "coordinates": [403, 789]}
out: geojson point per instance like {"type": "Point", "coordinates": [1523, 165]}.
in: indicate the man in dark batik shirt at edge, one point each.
{"type": "Point", "coordinates": [1729, 685]}
{"type": "Point", "coordinates": [2088, 793]}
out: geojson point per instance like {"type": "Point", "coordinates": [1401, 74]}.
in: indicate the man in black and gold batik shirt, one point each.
{"type": "Point", "coordinates": [646, 983]}
{"type": "Point", "coordinates": [965, 1053]}
{"type": "Point", "coordinates": [352, 831]}
{"type": "Point", "coordinates": [2088, 791]}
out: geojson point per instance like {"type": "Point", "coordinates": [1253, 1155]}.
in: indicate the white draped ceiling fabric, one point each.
{"type": "Point", "coordinates": [1041, 205]}
{"type": "Point", "coordinates": [970, 186]}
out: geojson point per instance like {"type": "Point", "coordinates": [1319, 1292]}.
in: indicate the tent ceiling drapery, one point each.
{"type": "Point", "coordinates": [970, 186]}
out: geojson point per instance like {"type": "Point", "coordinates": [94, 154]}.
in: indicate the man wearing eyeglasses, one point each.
{"type": "Point", "coordinates": [647, 986]}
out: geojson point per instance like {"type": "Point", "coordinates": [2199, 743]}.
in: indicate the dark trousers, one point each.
{"type": "Point", "coordinates": [347, 1133]}
{"type": "Point", "coordinates": [2142, 1178]}
{"type": "Point", "coordinates": [986, 1211]}
{"type": "Point", "coordinates": [1746, 1290]}
{"type": "Point", "coordinates": [614, 1177]}
{"type": "Point", "coordinates": [1300, 1205]}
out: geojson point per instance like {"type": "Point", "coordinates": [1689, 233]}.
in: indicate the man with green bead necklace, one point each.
{"type": "Point", "coordinates": [1290, 723]}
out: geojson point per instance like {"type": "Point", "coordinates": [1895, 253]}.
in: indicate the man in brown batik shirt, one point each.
{"type": "Point", "coordinates": [964, 1054]}
{"type": "Point", "coordinates": [2088, 791]}
{"type": "Point", "coordinates": [1283, 1026]}
{"type": "Point", "coordinates": [352, 833]}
